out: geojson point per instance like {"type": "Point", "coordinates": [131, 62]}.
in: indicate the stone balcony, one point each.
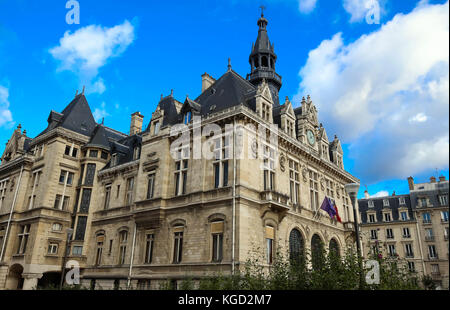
{"type": "Point", "coordinates": [274, 201]}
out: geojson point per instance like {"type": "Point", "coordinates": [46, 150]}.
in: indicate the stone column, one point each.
{"type": "Point", "coordinates": [31, 280]}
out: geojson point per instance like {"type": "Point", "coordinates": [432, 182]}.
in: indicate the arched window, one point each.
{"type": "Point", "coordinates": [271, 63]}
{"type": "Point", "coordinates": [256, 62]}
{"type": "Point", "coordinates": [316, 251]}
{"type": "Point", "coordinates": [296, 245]}
{"type": "Point", "coordinates": [264, 62]}
{"type": "Point", "coordinates": [334, 247]}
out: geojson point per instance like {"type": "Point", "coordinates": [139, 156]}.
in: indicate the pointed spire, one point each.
{"type": "Point", "coordinates": [229, 64]}
{"type": "Point", "coordinates": [83, 90]}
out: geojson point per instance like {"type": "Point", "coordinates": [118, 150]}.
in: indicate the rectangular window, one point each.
{"type": "Point", "coordinates": [387, 217]}
{"type": "Point", "coordinates": [74, 152]}
{"type": "Point", "coordinates": [57, 201]}
{"type": "Point", "coordinates": [423, 202]}
{"type": "Point", "coordinates": [85, 200]}
{"type": "Point", "coordinates": [150, 185]}
{"type": "Point", "coordinates": [432, 252]}
{"type": "Point", "coordinates": [373, 234]}
{"type": "Point", "coordinates": [389, 233]}
{"type": "Point", "coordinates": [123, 238]}
{"type": "Point", "coordinates": [270, 235]}
{"type": "Point", "coordinates": [107, 196]}
{"type": "Point", "coordinates": [221, 157]}
{"type": "Point", "coordinates": [23, 238]}
{"type": "Point", "coordinates": [93, 153]}
{"type": "Point", "coordinates": [136, 153]}
{"type": "Point", "coordinates": [81, 228]}
{"type": "Point", "coordinates": [401, 200]}
{"type": "Point", "coordinates": [149, 248]}
{"type": "Point", "coordinates": [52, 249]}
{"type": "Point", "coordinates": [294, 180]}
{"type": "Point", "coordinates": [411, 267]}
{"type": "Point", "coordinates": [404, 215]}
{"type": "Point", "coordinates": [217, 229]}
{"type": "Point", "coordinates": [385, 202]}
{"type": "Point", "coordinates": [330, 188]}
{"type": "Point", "coordinates": [98, 256]}
{"type": "Point", "coordinates": [444, 216]}
{"type": "Point", "coordinates": [409, 250]}
{"type": "Point", "coordinates": [90, 173]}
{"type": "Point", "coordinates": [65, 204]}
{"type": "Point", "coordinates": [426, 218]}
{"type": "Point", "coordinates": [67, 150]}
{"type": "Point", "coordinates": [391, 248]}
{"type": "Point", "coordinates": [77, 250]}
{"type": "Point", "coordinates": [435, 269]}
{"type": "Point", "coordinates": [443, 199]}
{"type": "Point", "coordinates": [62, 176]}
{"type": "Point", "coordinates": [314, 189]}
{"type": "Point", "coordinates": [129, 193]}
{"type": "Point", "coordinates": [371, 218]}
{"type": "Point", "coordinates": [178, 245]}
{"type": "Point", "coordinates": [406, 233]}
{"type": "Point", "coordinates": [156, 128]}
{"type": "Point", "coordinates": [104, 155]}
{"type": "Point", "coordinates": [114, 159]}
{"type": "Point", "coordinates": [370, 202]}
{"type": "Point", "coordinates": [269, 168]}
{"type": "Point", "coordinates": [181, 169]}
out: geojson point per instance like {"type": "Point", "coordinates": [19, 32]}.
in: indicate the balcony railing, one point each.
{"type": "Point", "coordinates": [444, 220]}
{"type": "Point", "coordinates": [429, 238]}
{"type": "Point", "coordinates": [406, 236]}
{"type": "Point", "coordinates": [426, 221]}
{"type": "Point", "coordinates": [409, 255]}
{"type": "Point", "coordinates": [390, 237]}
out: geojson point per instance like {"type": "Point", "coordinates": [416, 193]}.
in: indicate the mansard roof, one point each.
{"type": "Point", "coordinates": [124, 149]}
{"type": "Point", "coordinates": [103, 137]}
{"type": "Point", "coordinates": [378, 207]}
{"type": "Point", "coordinates": [77, 117]}
{"type": "Point", "coordinates": [229, 90]}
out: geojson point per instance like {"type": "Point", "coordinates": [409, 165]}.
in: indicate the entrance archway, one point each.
{"type": "Point", "coordinates": [14, 280]}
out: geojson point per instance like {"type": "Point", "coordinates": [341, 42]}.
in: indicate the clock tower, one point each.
{"type": "Point", "coordinates": [307, 124]}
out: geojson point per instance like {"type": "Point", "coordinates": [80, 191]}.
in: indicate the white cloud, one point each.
{"type": "Point", "coordinates": [89, 48]}
{"type": "Point", "coordinates": [100, 113]}
{"type": "Point", "coordinates": [380, 194]}
{"type": "Point", "coordinates": [418, 118]}
{"type": "Point", "coordinates": [6, 118]}
{"type": "Point", "coordinates": [358, 9]}
{"type": "Point", "coordinates": [387, 93]}
{"type": "Point", "coordinates": [306, 6]}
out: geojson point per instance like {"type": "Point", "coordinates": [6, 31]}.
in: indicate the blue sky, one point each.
{"type": "Point", "coordinates": [382, 88]}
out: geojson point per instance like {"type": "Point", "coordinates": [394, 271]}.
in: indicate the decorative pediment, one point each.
{"type": "Point", "coordinates": [264, 91]}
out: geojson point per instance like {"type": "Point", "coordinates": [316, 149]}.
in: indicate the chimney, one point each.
{"type": "Point", "coordinates": [433, 180]}
{"type": "Point", "coordinates": [136, 123]}
{"type": "Point", "coordinates": [393, 193]}
{"type": "Point", "coordinates": [366, 194]}
{"type": "Point", "coordinates": [411, 183]}
{"type": "Point", "coordinates": [442, 178]}
{"type": "Point", "coordinates": [207, 81]}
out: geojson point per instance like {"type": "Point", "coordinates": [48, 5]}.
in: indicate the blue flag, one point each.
{"type": "Point", "coordinates": [327, 206]}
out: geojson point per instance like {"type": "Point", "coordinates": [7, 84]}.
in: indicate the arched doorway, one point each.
{"type": "Point", "coordinates": [15, 279]}
{"type": "Point", "coordinates": [334, 247]}
{"type": "Point", "coordinates": [296, 245]}
{"type": "Point", "coordinates": [316, 251]}
{"type": "Point", "coordinates": [49, 280]}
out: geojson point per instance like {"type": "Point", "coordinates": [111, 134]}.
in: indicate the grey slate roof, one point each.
{"type": "Point", "coordinates": [77, 116]}
{"type": "Point", "coordinates": [124, 149]}
{"type": "Point", "coordinates": [103, 137]}
{"type": "Point", "coordinates": [394, 205]}
{"type": "Point", "coordinates": [229, 90]}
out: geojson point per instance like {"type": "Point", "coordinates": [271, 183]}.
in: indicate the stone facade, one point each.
{"type": "Point", "coordinates": [141, 217]}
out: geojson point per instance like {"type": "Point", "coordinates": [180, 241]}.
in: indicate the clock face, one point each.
{"type": "Point", "coordinates": [311, 137]}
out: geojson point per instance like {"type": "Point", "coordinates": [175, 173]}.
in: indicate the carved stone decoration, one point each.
{"type": "Point", "coordinates": [12, 184]}
{"type": "Point", "coordinates": [254, 148]}
{"type": "Point", "coordinates": [282, 162]}
{"type": "Point", "coordinates": [322, 182]}
{"type": "Point", "coordinates": [338, 192]}
{"type": "Point", "coordinates": [304, 173]}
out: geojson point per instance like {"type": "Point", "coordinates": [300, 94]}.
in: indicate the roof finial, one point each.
{"type": "Point", "coordinates": [229, 63]}
{"type": "Point", "coordinates": [83, 90]}
{"type": "Point", "coordinates": [76, 94]}
{"type": "Point", "coordinates": [262, 7]}
{"type": "Point", "coordinates": [162, 96]}
{"type": "Point", "coordinates": [103, 120]}
{"type": "Point", "coordinates": [171, 92]}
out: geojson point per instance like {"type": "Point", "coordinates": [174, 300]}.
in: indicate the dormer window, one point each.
{"type": "Point", "coordinates": [136, 153]}
{"type": "Point", "coordinates": [187, 117]}
{"type": "Point", "coordinates": [370, 202]}
{"type": "Point", "coordinates": [156, 128]}
{"type": "Point", "coordinates": [114, 159]}
{"type": "Point", "coordinates": [401, 200]}
{"type": "Point", "coordinates": [385, 203]}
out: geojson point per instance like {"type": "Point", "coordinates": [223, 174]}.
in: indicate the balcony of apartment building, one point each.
{"type": "Point", "coordinates": [426, 221]}
{"type": "Point", "coordinates": [349, 226]}
{"type": "Point", "coordinates": [409, 255]}
{"type": "Point", "coordinates": [433, 257]}
{"type": "Point", "coordinates": [406, 236]}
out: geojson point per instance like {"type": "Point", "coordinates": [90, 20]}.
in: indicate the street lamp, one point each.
{"type": "Point", "coordinates": [352, 190]}
{"type": "Point", "coordinates": [63, 267]}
